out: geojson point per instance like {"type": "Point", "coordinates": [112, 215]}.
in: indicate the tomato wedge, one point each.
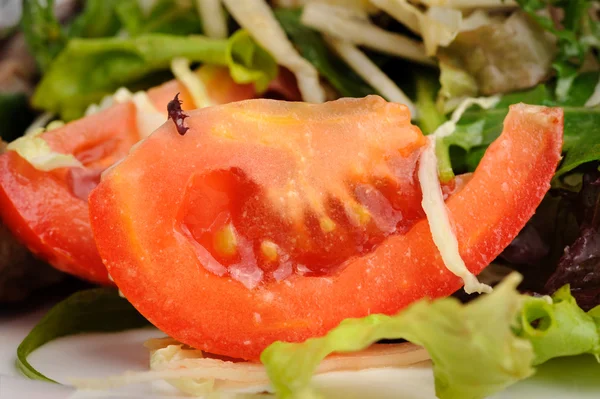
{"type": "Point", "coordinates": [212, 242]}
{"type": "Point", "coordinates": [48, 211]}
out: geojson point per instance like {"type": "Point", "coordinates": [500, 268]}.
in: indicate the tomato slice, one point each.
{"type": "Point", "coordinates": [185, 238]}
{"type": "Point", "coordinates": [48, 211]}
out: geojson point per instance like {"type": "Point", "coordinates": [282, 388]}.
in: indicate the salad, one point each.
{"type": "Point", "coordinates": [288, 188]}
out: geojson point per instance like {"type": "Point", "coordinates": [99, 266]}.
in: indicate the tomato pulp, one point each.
{"type": "Point", "coordinates": [48, 211]}
{"type": "Point", "coordinates": [275, 221]}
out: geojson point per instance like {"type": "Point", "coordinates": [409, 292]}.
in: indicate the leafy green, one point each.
{"type": "Point", "coordinates": [165, 16]}
{"type": "Point", "coordinates": [478, 128]}
{"type": "Point", "coordinates": [501, 56]}
{"type": "Point", "coordinates": [103, 18]}
{"type": "Point", "coordinates": [250, 63]}
{"type": "Point", "coordinates": [98, 19]}
{"type": "Point", "coordinates": [43, 33]}
{"type": "Point", "coordinates": [456, 85]}
{"type": "Point", "coordinates": [87, 70]}
{"type": "Point", "coordinates": [524, 331]}
{"type": "Point", "coordinates": [426, 90]}
{"type": "Point", "coordinates": [577, 33]}
{"type": "Point", "coordinates": [95, 310]}
{"type": "Point", "coordinates": [562, 328]}
{"type": "Point", "coordinates": [312, 47]}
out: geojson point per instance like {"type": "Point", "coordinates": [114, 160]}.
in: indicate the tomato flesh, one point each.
{"type": "Point", "coordinates": [48, 211]}
{"type": "Point", "coordinates": [144, 226]}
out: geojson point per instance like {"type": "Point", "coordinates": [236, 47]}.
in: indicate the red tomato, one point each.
{"type": "Point", "coordinates": [275, 221]}
{"type": "Point", "coordinates": [48, 211]}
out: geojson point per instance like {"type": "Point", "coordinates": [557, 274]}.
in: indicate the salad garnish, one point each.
{"type": "Point", "coordinates": [278, 240]}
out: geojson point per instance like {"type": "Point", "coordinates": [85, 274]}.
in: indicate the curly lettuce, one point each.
{"type": "Point", "coordinates": [89, 69]}
{"type": "Point", "coordinates": [502, 335]}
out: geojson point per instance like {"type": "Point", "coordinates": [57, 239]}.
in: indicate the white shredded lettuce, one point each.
{"type": "Point", "coordinates": [120, 96]}
{"type": "Point", "coordinates": [213, 18]}
{"type": "Point", "coordinates": [336, 22]}
{"type": "Point", "coordinates": [257, 18]}
{"type": "Point", "coordinates": [39, 123]}
{"type": "Point", "coordinates": [35, 150]}
{"type": "Point", "coordinates": [148, 118]}
{"type": "Point", "coordinates": [371, 73]}
{"type": "Point", "coordinates": [433, 200]}
{"type": "Point", "coordinates": [438, 26]}
{"type": "Point", "coordinates": [439, 221]}
{"type": "Point", "coordinates": [195, 86]}
{"type": "Point", "coordinates": [470, 4]}
{"type": "Point", "coordinates": [448, 127]}
{"type": "Point", "coordinates": [594, 99]}
{"type": "Point", "coordinates": [193, 373]}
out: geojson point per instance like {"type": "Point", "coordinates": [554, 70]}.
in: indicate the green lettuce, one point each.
{"type": "Point", "coordinates": [165, 16]}
{"type": "Point", "coordinates": [47, 37]}
{"type": "Point", "coordinates": [499, 57]}
{"type": "Point", "coordinates": [478, 128]}
{"type": "Point", "coordinates": [576, 33]}
{"type": "Point", "coordinates": [94, 310]}
{"type": "Point", "coordinates": [43, 33]}
{"type": "Point", "coordinates": [89, 69]}
{"type": "Point", "coordinates": [502, 336]}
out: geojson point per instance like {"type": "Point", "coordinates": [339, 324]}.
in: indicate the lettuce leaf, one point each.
{"type": "Point", "coordinates": [89, 69]}
{"type": "Point", "coordinates": [43, 33]}
{"type": "Point", "coordinates": [576, 32]}
{"type": "Point", "coordinates": [165, 16]}
{"type": "Point", "coordinates": [500, 57]}
{"type": "Point", "coordinates": [502, 335]}
{"type": "Point", "coordinates": [94, 310]}
{"type": "Point", "coordinates": [478, 128]}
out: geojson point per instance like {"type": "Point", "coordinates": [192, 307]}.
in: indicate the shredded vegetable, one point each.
{"type": "Point", "coordinates": [257, 18]}
{"type": "Point", "coordinates": [364, 67]}
{"type": "Point", "coordinates": [336, 22]}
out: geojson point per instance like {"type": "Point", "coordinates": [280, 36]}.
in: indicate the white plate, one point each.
{"type": "Point", "coordinates": [97, 355]}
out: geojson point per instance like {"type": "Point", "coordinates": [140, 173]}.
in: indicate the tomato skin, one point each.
{"type": "Point", "coordinates": [39, 207]}
{"type": "Point", "coordinates": [161, 277]}
{"type": "Point", "coordinates": [48, 214]}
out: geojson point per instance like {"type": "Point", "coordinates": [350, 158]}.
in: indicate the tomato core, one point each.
{"type": "Point", "coordinates": [235, 230]}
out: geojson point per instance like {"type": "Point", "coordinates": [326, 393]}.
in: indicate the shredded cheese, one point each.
{"type": "Point", "coordinates": [338, 23]}
{"type": "Point", "coordinates": [213, 18]}
{"type": "Point", "coordinates": [195, 86]}
{"type": "Point", "coordinates": [371, 73]}
{"type": "Point", "coordinates": [257, 18]}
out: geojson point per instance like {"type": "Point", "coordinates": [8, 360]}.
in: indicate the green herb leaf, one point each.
{"type": "Point", "coordinates": [166, 16]}
{"type": "Point", "coordinates": [89, 69]}
{"type": "Point", "coordinates": [313, 48]}
{"type": "Point", "coordinates": [98, 19]}
{"type": "Point", "coordinates": [478, 128]}
{"type": "Point", "coordinates": [95, 310]}
{"type": "Point", "coordinates": [43, 33]}
{"type": "Point", "coordinates": [524, 331]}
{"type": "Point", "coordinates": [576, 35]}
